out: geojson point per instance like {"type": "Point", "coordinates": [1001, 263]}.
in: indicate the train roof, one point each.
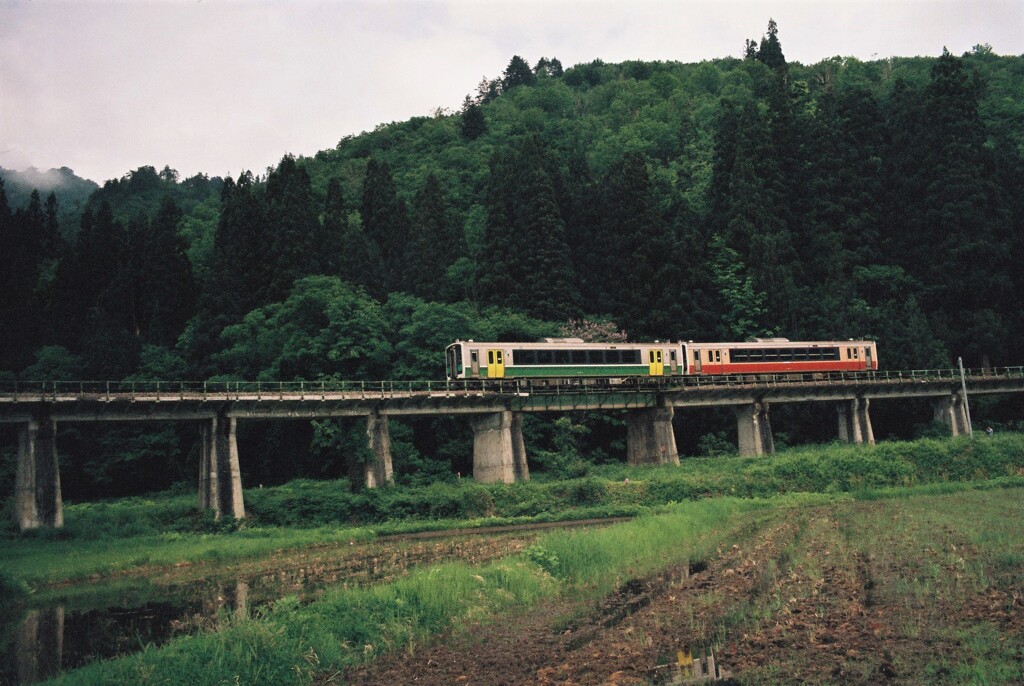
{"type": "Point", "coordinates": [563, 343]}
{"type": "Point", "coordinates": [779, 343]}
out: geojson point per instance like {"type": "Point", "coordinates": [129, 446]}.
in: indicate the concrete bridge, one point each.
{"type": "Point", "coordinates": [494, 411]}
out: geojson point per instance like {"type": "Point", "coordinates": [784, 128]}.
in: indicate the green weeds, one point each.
{"type": "Point", "coordinates": [291, 643]}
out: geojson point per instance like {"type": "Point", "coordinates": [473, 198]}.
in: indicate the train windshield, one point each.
{"type": "Point", "coordinates": [453, 361]}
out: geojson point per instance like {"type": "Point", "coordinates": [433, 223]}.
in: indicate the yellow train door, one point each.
{"type": "Point", "coordinates": [657, 363]}
{"type": "Point", "coordinates": [495, 364]}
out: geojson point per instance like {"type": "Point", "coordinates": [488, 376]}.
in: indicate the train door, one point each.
{"type": "Point", "coordinates": [867, 358]}
{"type": "Point", "coordinates": [495, 364]}
{"type": "Point", "coordinates": [673, 362]}
{"type": "Point", "coordinates": [657, 362]}
{"type": "Point", "coordinates": [697, 361]}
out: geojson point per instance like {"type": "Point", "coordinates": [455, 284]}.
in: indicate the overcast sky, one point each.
{"type": "Point", "coordinates": [220, 86]}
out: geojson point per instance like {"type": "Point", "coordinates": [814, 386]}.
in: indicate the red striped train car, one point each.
{"type": "Point", "coordinates": [780, 356]}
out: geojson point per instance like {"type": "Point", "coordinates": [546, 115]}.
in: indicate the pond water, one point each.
{"type": "Point", "coordinates": [49, 638]}
{"type": "Point", "coordinates": [46, 640]}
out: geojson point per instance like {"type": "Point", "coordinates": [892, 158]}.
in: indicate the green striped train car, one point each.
{"type": "Point", "coordinates": [564, 358]}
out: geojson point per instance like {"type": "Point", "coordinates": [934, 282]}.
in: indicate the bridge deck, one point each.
{"type": "Point", "coordinates": [178, 400]}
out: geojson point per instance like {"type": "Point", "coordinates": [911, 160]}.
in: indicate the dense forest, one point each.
{"type": "Point", "coordinates": [720, 200]}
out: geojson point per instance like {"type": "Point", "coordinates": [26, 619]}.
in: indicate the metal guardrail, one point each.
{"type": "Point", "coordinates": [292, 390]}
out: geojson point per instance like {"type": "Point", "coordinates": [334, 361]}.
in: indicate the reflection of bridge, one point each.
{"type": "Point", "coordinates": [495, 413]}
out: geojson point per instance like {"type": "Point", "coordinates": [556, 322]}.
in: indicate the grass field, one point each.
{"type": "Point", "coordinates": [927, 535]}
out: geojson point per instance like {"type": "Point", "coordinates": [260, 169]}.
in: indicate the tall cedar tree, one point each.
{"type": "Point", "coordinates": [582, 212]}
{"type": "Point", "coordinates": [105, 273]}
{"type": "Point", "coordinates": [168, 286]}
{"type": "Point", "coordinates": [526, 257]}
{"type": "Point", "coordinates": [754, 217]}
{"type": "Point", "coordinates": [969, 218]}
{"type": "Point", "coordinates": [498, 267]}
{"type": "Point", "coordinates": [436, 240]}
{"type": "Point", "coordinates": [351, 255]}
{"type": "Point", "coordinates": [240, 273]}
{"type": "Point", "coordinates": [472, 123]}
{"type": "Point", "coordinates": [517, 73]}
{"type": "Point", "coordinates": [386, 224]}
{"type": "Point", "coordinates": [13, 283]}
{"type": "Point", "coordinates": [294, 227]}
{"type": "Point", "coordinates": [636, 250]}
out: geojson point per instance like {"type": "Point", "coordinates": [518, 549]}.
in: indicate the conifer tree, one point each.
{"type": "Point", "coordinates": [636, 249]}
{"type": "Point", "coordinates": [754, 219]}
{"type": "Point", "coordinates": [770, 50]}
{"type": "Point", "coordinates": [527, 258]}
{"type": "Point", "coordinates": [168, 286]}
{"type": "Point", "coordinates": [517, 73]}
{"type": "Point", "coordinates": [472, 123]}
{"type": "Point", "coordinates": [350, 254]}
{"type": "Point", "coordinates": [498, 270]}
{"type": "Point", "coordinates": [967, 215]}
{"type": "Point", "coordinates": [436, 240]}
{"type": "Point", "coordinates": [386, 224]}
{"type": "Point", "coordinates": [293, 225]}
{"type": "Point", "coordinates": [240, 273]}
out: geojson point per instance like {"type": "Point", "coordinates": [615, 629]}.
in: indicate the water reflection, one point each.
{"type": "Point", "coordinates": [39, 645]}
{"type": "Point", "coordinates": [50, 640]}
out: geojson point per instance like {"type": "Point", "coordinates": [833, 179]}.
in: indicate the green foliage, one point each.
{"type": "Point", "coordinates": [323, 329]}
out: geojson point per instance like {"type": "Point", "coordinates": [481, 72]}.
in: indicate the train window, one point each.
{"type": "Point", "coordinates": [718, 356]}
{"type": "Point", "coordinates": [543, 357]}
{"type": "Point", "coordinates": [524, 356]}
{"type": "Point", "coordinates": [561, 357]}
{"type": "Point", "coordinates": [595, 356]}
{"type": "Point", "coordinates": [856, 353]}
{"type": "Point", "coordinates": [631, 356]}
{"type": "Point", "coordinates": [579, 356]}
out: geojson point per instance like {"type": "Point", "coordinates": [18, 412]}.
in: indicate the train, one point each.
{"type": "Point", "coordinates": [573, 359]}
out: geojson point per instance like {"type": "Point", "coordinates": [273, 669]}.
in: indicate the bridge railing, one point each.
{"type": "Point", "coordinates": [235, 389]}
{"type": "Point", "coordinates": [197, 390]}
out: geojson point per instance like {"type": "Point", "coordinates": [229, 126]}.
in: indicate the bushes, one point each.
{"type": "Point", "coordinates": [608, 488]}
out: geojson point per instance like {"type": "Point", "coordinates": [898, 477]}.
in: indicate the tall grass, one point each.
{"type": "Point", "coordinates": [291, 643]}
{"type": "Point", "coordinates": [117, 535]}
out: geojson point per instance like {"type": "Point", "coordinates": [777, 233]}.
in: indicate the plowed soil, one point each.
{"type": "Point", "coordinates": [877, 594]}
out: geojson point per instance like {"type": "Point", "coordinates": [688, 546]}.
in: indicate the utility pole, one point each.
{"type": "Point", "coordinates": [963, 389]}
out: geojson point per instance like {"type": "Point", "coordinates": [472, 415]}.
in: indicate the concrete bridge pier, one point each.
{"type": "Point", "coordinates": [220, 478]}
{"type": "Point", "coordinates": [855, 422]}
{"type": "Point", "coordinates": [498, 451]}
{"type": "Point", "coordinates": [951, 411]}
{"type": "Point", "coordinates": [754, 429]}
{"type": "Point", "coordinates": [650, 438]}
{"type": "Point", "coordinates": [37, 500]}
{"type": "Point", "coordinates": [379, 471]}
{"type": "Point", "coordinates": [519, 467]}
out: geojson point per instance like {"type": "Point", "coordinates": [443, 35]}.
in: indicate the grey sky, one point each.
{"type": "Point", "coordinates": [219, 86]}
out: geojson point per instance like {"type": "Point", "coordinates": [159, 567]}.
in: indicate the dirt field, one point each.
{"type": "Point", "coordinates": [924, 590]}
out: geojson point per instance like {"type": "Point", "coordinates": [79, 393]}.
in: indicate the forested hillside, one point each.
{"type": "Point", "coordinates": [718, 200]}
